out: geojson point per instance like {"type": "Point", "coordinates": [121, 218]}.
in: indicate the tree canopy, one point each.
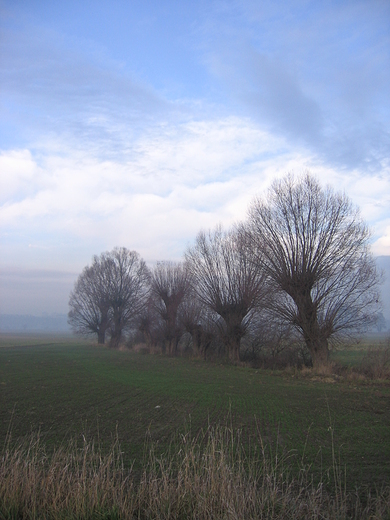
{"type": "Point", "coordinates": [313, 246]}
{"type": "Point", "coordinates": [109, 295]}
{"type": "Point", "coordinates": [227, 282]}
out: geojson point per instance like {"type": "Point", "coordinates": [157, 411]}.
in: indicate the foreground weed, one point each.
{"type": "Point", "coordinates": [206, 476]}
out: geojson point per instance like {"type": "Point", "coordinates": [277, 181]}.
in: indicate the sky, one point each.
{"type": "Point", "coordinates": [137, 123]}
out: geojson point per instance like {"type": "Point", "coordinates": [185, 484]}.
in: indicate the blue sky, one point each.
{"type": "Point", "coordinates": [136, 123]}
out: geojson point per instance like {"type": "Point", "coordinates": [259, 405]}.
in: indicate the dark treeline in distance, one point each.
{"type": "Point", "coordinates": [293, 279]}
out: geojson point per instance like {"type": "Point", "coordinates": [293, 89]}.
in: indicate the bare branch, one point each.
{"type": "Point", "coordinates": [170, 283]}
{"type": "Point", "coordinates": [226, 282]}
{"type": "Point", "coordinates": [313, 247]}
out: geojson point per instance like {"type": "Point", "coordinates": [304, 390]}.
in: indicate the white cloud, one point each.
{"type": "Point", "coordinates": [18, 171]}
{"type": "Point", "coordinates": [172, 184]}
{"type": "Point", "coordinates": [381, 246]}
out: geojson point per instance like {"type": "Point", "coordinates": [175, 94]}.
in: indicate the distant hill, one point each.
{"type": "Point", "coordinates": [28, 323]}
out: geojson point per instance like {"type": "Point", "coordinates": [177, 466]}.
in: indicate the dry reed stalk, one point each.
{"type": "Point", "coordinates": [204, 477]}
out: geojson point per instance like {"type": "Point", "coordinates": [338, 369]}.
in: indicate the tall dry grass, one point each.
{"type": "Point", "coordinates": [376, 362]}
{"type": "Point", "coordinates": [373, 368]}
{"type": "Point", "coordinates": [204, 477]}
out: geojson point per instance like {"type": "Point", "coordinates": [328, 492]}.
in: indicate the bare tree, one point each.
{"type": "Point", "coordinates": [197, 320]}
{"type": "Point", "coordinates": [127, 288]}
{"type": "Point", "coordinates": [313, 246]}
{"type": "Point", "coordinates": [150, 324]}
{"type": "Point", "coordinates": [89, 302]}
{"type": "Point", "coordinates": [170, 283]}
{"type": "Point", "coordinates": [226, 282]}
{"type": "Point", "coordinates": [109, 295]}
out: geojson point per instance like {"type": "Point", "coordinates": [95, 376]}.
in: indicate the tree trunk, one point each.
{"type": "Point", "coordinates": [234, 333]}
{"type": "Point", "coordinates": [201, 340]}
{"type": "Point", "coordinates": [196, 334]}
{"type": "Point", "coordinates": [103, 326]}
{"type": "Point", "coordinates": [315, 340]}
{"type": "Point", "coordinates": [171, 346]}
{"type": "Point", "coordinates": [148, 339]}
{"type": "Point", "coordinates": [207, 338]}
{"type": "Point", "coordinates": [116, 329]}
{"type": "Point", "coordinates": [116, 336]}
{"type": "Point", "coordinates": [234, 350]}
{"type": "Point", "coordinates": [319, 351]}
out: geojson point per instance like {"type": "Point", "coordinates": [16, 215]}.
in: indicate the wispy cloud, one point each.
{"type": "Point", "coordinates": [52, 86]}
{"type": "Point", "coordinates": [317, 74]}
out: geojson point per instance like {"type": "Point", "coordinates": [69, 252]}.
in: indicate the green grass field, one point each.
{"type": "Point", "coordinates": [67, 388]}
{"type": "Point", "coordinates": [353, 354]}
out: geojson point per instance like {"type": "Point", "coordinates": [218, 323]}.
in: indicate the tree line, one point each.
{"type": "Point", "coordinates": [296, 276]}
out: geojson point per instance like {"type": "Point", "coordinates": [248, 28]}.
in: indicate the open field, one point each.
{"type": "Point", "coordinates": [30, 339]}
{"type": "Point", "coordinates": [353, 354]}
{"type": "Point", "coordinates": [65, 389]}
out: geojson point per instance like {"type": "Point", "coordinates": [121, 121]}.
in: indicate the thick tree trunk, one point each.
{"type": "Point", "coordinates": [196, 335]}
{"type": "Point", "coordinates": [207, 338]}
{"type": "Point", "coordinates": [170, 347]}
{"type": "Point", "coordinates": [148, 339]}
{"type": "Point", "coordinates": [103, 326]}
{"type": "Point", "coordinates": [201, 340]}
{"type": "Point", "coordinates": [234, 333]}
{"type": "Point", "coordinates": [234, 350]}
{"type": "Point", "coordinates": [116, 336]}
{"type": "Point", "coordinates": [315, 340]}
{"type": "Point", "coordinates": [319, 351]}
{"type": "Point", "coordinates": [317, 345]}
{"type": "Point", "coordinates": [116, 329]}
{"type": "Point", "coordinates": [101, 337]}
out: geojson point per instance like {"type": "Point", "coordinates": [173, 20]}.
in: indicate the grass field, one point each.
{"type": "Point", "coordinates": [66, 388]}
{"type": "Point", "coordinates": [353, 354]}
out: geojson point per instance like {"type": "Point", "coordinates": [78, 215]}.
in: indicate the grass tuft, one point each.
{"type": "Point", "coordinates": [208, 476]}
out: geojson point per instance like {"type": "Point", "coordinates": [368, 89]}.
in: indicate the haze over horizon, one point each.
{"type": "Point", "coordinates": [136, 124]}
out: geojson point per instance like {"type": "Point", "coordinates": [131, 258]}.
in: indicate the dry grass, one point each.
{"type": "Point", "coordinates": [374, 367]}
{"type": "Point", "coordinates": [210, 476]}
{"type": "Point", "coordinates": [376, 362]}
{"type": "Point", "coordinates": [73, 482]}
